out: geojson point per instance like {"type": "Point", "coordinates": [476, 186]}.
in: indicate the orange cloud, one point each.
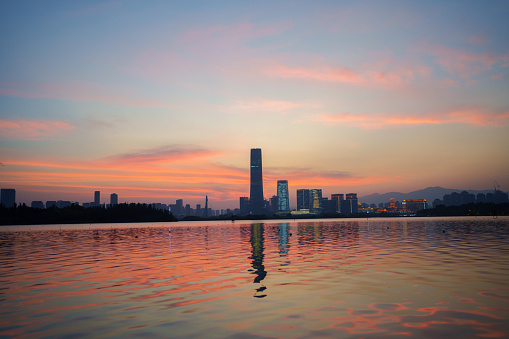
{"type": "Point", "coordinates": [33, 129]}
{"type": "Point", "coordinates": [466, 116]}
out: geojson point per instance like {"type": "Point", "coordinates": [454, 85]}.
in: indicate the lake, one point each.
{"type": "Point", "coordinates": [331, 278]}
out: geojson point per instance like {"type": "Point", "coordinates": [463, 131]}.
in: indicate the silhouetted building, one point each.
{"type": "Point", "coordinates": [302, 199]}
{"type": "Point", "coordinates": [328, 206]}
{"type": "Point", "coordinates": [244, 205]}
{"type": "Point", "coordinates": [37, 204]}
{"type": "Point", "coordinates": [500, 197]}
{"type": "Point", "coordinates": [206, 211]}
{"type": "Point", "coordinates": [283, 198]}
{"type": "Point", "coordinates": [114, 199]}
{"type": "Point", "coordinates": [414, 205]}
{"type": "Point", "coordinates": [353, 203]}
{"type": "Point", "coordinates": [188, 210]}
{"type": "Point", "coordinates": [315, 201]}
{"type": "Point", "coordinates": [63, 203]}
{"type": "Point", "coordinates": [437, 202]}
{"type": "Point", "coordinates": [256, 190]}
{"type": "Point", "coordinates": [336, 200]}
{"type": "Point", "coordinates": [97, 198]}
{"type": "Point", "coordinates": [8, 197]}
{"type": "Point", "coordinates": [178, 209]}
{"type": "Point", "coordinates": [481, 198]}
{"type": "Point", "coordinates": [199, 212]}
{"type": "Point", "coordinates": [51, 203]}
{"type": "Point", "coordinates": [274, 204]}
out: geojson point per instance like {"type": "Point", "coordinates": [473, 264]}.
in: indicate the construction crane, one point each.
{"type": "Point", "coordinates": [496, 186]}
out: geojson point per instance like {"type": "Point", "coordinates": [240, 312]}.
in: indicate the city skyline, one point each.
{"type": "Point", "coordinates": [159, 101]}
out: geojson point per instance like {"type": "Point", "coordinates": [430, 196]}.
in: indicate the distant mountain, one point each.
{"type": "Point", "coordinates": [429, 193]}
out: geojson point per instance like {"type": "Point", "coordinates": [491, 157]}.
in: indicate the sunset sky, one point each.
{"type": "Point", "coordinates": [161, 100]}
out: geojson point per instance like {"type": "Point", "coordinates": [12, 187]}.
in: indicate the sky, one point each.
{"type": "Point", "coordinates": [163, 100]}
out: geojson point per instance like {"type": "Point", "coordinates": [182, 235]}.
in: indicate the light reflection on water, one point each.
{"type": "Point", "coordinates": [331, 278]}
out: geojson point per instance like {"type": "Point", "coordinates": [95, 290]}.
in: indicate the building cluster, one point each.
{"type": "Point", "coordinates": [309, 201]}
{"type": "Point", "coordinates": [463, 198]}
{"type": "Point", "coordinates": [406, 206]}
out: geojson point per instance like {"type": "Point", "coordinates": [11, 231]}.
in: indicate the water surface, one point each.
{"type": "Point", "coordinates": [404, 277]}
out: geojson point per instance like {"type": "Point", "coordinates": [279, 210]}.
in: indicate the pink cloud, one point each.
{"type": "Point", "coordinates": [375, 121]}
{"type": "Point", "coordinates": [81, 92]}
{"type": "Point", "coordinates": [263, 106]}
{"type": "Point", "coordinates": [458, 62]}
{"type": "Point", "coordinates": [376, 74]}
{"type": "Point", "coordinates": [329, 74]}
{"type": "Point", "coordinates": [33, 129]}
{"type": "Point", "coordinates": [164, 154]}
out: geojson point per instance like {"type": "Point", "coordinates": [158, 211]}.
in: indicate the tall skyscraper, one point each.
{"type": "Point", "coordinates": [97, 198]}
{"type": "Point", "coordinates": [282, 194]}
{"type": "Point", "coordinates": [315, 201]}
{"type": "Point", "coordinates": [302, 199]}
{"type": "Point", "coordinates": [113, 199]}
{"type": "Point", "coordinates": [8, 197]}
{"type": "Point", "coordinates": [256, 189]}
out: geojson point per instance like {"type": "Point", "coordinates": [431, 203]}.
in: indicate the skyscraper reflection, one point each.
{"type": "Point", "coordinates": [257, 258]}
{"type": "Point", "coordinates": [284, 246]}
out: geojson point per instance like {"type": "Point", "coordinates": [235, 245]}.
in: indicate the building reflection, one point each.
{"type": "Point", "coordinates": [284, 245]}
{"type": "Point", "coordinates": [257, 258]}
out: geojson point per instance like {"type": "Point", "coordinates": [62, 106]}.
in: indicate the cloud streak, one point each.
{"type": "Point", "coordinates": [163, 154]}
{"type": "Point", "coordinates": [20, 129]}
{"type": "Point", "coordinates": [458, 62]}
{"type": "Point", "coordinates": [376, 121]}
{"type": "Point", "coordinates": [373, 75]}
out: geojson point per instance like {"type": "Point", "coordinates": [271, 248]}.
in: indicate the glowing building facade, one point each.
{"type": "Point", "coordinates": [283, 198]}
{"type": "Point", "coordinates": [414, 205]}
{"type": "Point", "coordinates": [315, 201]}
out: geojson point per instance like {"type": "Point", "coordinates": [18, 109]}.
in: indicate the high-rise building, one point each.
{"type": "Point", "coordinates": [244, 205]}
{"type": "Point", "coordinates": [283, 198]}
{"type": "Point", "coordinates": [97, 198]}
{"type": "Point", "coordinates": [8, 197]}
{"type": "Point", "coordinates": [114, 199]}
{"type": "Point", "coordinates": [353, 205]}
{"type": "Point", "coordinates": [337, 198]}
{"type": "Point", "coordinates": [302, 199]}
{"type": "Point", "coordinates": [274, 204]}
{"type": "Point", "coordinates": [315, 201]}
{"type": "Point", "coordinates": [256, 189]}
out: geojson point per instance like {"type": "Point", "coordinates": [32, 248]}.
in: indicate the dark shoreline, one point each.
{"type": "Point", "coordinates": [134, 213]}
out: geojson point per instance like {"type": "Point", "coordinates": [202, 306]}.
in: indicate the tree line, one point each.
{"type": "Point", "coordinates": [75, 214]}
